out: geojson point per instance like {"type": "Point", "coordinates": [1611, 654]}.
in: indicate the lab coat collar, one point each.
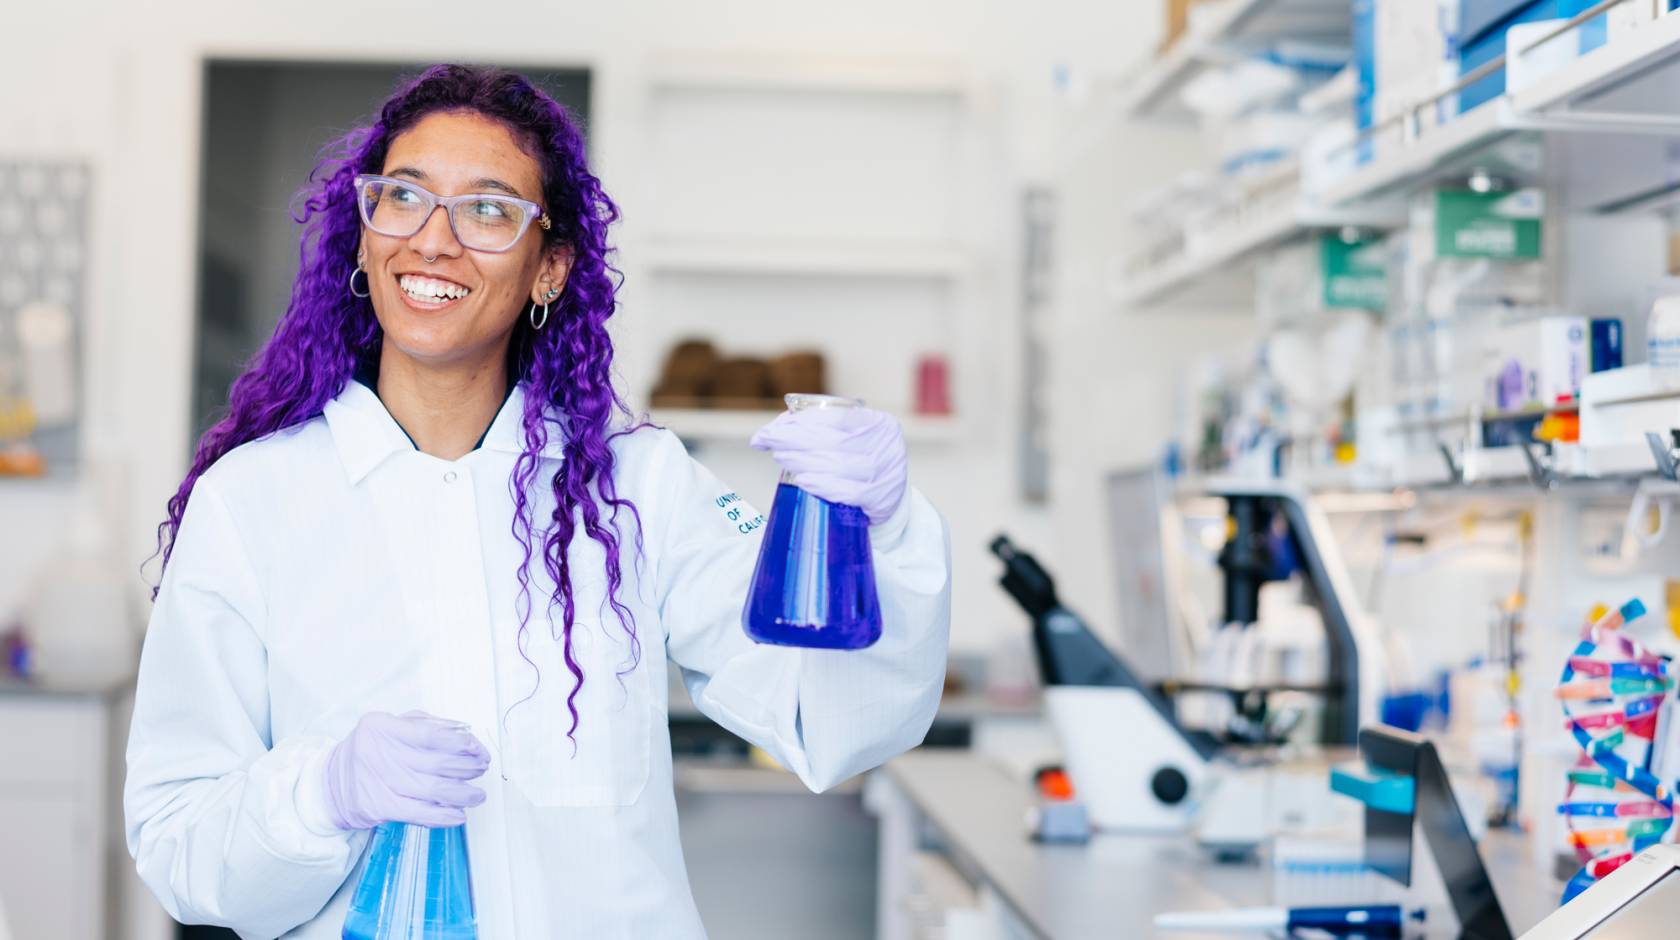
{"type": "Point", "coordinates": [365, 434]}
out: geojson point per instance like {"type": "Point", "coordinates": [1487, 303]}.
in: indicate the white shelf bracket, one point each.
{"type": "Point", "coordinates": [1660, 125]}
{"type": "Point", "coordinates": [1663, 452]}
{"type": "Point", "coordinates": [1540, 471]}
{"type": "Point", "coordinates": [1455, 467]}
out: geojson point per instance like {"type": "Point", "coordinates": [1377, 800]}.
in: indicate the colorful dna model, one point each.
{"type": "Point", "coordinates": [1612, 690]}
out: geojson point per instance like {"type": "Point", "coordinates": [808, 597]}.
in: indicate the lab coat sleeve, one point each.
{"type": "Point", "coordinates": [826, 715]}
{"type": "Point", "coordinates": [225, 826]}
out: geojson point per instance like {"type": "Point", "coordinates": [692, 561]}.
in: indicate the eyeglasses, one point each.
{"type": "Point", "coordinates": [480, 221]}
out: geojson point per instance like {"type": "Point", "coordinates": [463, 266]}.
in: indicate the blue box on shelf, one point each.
{"type": "Point", "coordinates": [1607, 341]}
{"type": "Point", "coordinates": [1482, 25]}
{"type": "Point", "coordinates": [1365, 71]}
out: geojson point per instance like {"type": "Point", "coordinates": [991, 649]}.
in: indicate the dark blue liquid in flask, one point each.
{"type": "Point", "coordinates": [814, 585]}
{"type": "Point", "coordinates": [416, 887]}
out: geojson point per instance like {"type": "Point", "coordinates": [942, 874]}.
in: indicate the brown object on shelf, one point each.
{"type": "Point", "coordinates": [742, 377]}
{"type": "Point", "coordinates": [798, 371]}
{"type": "Point", "coordinates": [689, 371]}
{"type": "Point", "coordinates": [1177, 21]}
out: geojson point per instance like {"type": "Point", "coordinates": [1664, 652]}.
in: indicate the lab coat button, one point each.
{"type": "Point", "coordinates": [449, 477]}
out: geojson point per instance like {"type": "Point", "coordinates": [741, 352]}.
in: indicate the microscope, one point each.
{"type": "Point", "coordinates": [1135, 767]}
{"type": "Point", "coordinates": [1132, 760]}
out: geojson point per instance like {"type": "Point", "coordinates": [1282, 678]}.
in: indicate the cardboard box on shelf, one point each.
{"type": "Point", "coordinates": [1176, 21]}
{"type": "Point", "coordinates": [1533, 363]}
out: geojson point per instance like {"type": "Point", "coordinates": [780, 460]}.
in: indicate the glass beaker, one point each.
{"type": "Point", "coordinates": [416, 887]}
{"type": "Point", "coordinates": [814, 585]}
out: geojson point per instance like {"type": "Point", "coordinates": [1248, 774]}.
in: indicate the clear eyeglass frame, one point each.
{"type": "Point", "coordinates": [370, 190]}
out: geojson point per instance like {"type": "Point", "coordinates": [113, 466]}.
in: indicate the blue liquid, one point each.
{"type": "Point", "coordinates": [416, 887]}
{"type": "Point", "coordinates": [815, 581]}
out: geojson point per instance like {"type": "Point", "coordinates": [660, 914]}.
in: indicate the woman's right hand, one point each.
{"type": "Point", "coordinates": [409, 768]}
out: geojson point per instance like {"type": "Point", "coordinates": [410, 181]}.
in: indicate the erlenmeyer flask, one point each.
{"type": "Point", "coordinates": [815, 581]}
{"type": "Point", "coordinates": [416, 887]}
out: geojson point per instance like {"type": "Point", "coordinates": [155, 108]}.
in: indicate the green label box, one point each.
{"type": "Point", "coordinates": [1354, 273]}
{"type": "Point", "coordinates": [1504, 226]}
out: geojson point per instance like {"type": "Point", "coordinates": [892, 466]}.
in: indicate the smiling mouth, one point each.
{"type": "Point", "coordinates": [430, 293]}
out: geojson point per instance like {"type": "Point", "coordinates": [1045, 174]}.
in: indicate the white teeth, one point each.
{"type": "Point", "coordinates": [425, 288]}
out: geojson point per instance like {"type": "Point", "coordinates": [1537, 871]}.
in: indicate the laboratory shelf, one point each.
{"type": "Point", "coordinates": [1494, 465]}
{"type": "Point", "coordinates": [1605, 462]}
{"type": "Point", "coordinates": [1608, 112]}
{"type": "Point", "coordinates": [1421, 470]}
{"type": "Point", "coordinates": [1571, 471]}
{"type": "Point", "coordinates": [1449, 150]}
{"type": "Point", "coordinates": [1369, 488]}
{"type": "Point", "coordinates": [1225, 27]}
{"type": "Point", "coordinates": [719, 426]}
{"type": "Point", "coordinates": [1628, 81]}
{"type": "Point", "coordinates": [714, 256]}
{"type": "Point", "coordinates": [1212, 269]}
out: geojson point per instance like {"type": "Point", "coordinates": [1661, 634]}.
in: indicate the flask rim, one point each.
{"type": "Point", "coordinates": [803, 401]}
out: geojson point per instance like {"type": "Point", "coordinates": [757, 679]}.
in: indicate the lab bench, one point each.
{"type": "Point", "coordinates": [768, 858]}
{"type": "Point", "coordinates": [967, 811]}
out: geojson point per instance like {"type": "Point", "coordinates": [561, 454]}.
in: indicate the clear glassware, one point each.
{"type": "Point", "coordinates": [416, 886]}
{"type": "Point", "coordinates": [814, 585]}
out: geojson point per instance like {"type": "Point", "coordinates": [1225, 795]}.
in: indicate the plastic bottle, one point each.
{"type": "Point", "coordinates": [814, 585]}
{"type": "Point", "coordinates": [417, 886]}
{"type": "Point", "coordinates": [1662, 340]}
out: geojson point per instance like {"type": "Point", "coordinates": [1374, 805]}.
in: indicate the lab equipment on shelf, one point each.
{"type": "Point", "coordinates": [1276, 533]}
{"type": "Point", "coordinates": [1662, 337]}
{"type": "Point", "coordinates": [416, 886]}
{"type": "Point", "coordinates": [1612, 690]}
{"type": "Point", "coordinates": [1132, 764]}
{"type": "Point", "coordinates": [814, 585]}
{"type": "Point", "coordinates": [1285, 644]}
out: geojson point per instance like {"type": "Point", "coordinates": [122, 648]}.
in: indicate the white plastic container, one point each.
{"type": "Point", "coordinates": [1662, 338]}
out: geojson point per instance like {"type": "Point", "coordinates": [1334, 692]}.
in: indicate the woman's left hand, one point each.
{"type": "Point", "coordinates": [853, 456]}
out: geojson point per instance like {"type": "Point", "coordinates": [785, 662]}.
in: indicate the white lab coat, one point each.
{"type": "Point", "coordinates": [332, 569]}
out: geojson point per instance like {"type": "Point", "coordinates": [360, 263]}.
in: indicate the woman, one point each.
{"type": "Point", "coordinates": [424, 502]}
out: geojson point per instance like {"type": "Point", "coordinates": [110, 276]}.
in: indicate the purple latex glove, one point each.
{"type": "Point", "coordinates": [854, 456]}
{"type": "Point", "coordinates": [411, 768]}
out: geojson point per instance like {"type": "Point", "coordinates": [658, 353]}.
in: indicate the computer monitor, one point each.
{"type": "Point", "coordinates": [1436, 817]}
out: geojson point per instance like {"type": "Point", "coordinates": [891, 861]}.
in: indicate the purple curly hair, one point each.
{"type": "Point", "coordinates": [326, 332]}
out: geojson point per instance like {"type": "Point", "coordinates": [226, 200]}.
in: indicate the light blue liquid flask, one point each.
{"type": "Point", "coordinates": [416, 887]}
{"type": "Point", "coordinates": [814, 585]}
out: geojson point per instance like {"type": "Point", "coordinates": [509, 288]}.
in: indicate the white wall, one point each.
{"type": "Point", "coordinates": [120, 86]}
{"type": "Point", "coordinates": [1117, 396]}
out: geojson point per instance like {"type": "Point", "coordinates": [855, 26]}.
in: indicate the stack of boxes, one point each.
{"type": "Point", "coordinates": [1406, 52]}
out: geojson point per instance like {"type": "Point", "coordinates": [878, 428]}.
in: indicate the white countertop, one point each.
{"type": "Point", "coordinates": [1115, 885]}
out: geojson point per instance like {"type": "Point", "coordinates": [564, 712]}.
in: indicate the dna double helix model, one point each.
{"type": "Point", "coordinates": [1612, 692]}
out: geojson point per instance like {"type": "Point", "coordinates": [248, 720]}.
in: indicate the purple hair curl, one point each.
{"type": "Point", "coordinates": [565, 368]}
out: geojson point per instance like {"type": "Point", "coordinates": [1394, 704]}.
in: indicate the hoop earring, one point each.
{"type": "Point", "coordinates": [353, 291]}
{"type": "Point", "coordinates": [536, 321]}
